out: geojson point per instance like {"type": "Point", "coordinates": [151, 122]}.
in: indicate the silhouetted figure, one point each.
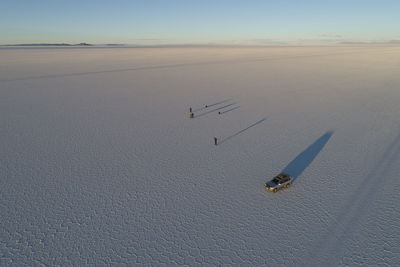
{"type": "Point", "coordinates": [215, 141]}
{"type": "Point", "coordinates": [219, 112]}
{"type": "Point", "coordinates": [190, 109]}
{"type": "Point", "coordinates": [206, 106]}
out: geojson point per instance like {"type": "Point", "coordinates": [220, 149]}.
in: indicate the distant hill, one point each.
{"type": "Point", "coordinates": [49, 44]}
{"type": "Point", "coordinates": [371, 43]}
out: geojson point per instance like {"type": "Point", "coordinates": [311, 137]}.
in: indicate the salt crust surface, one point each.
{"type": "Point", "coordinates": [100, 163]}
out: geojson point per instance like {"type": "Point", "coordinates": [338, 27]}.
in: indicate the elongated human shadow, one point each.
{"type": "Point", "coordinates": [304, 159]}
{"type": "Point", "coordinates": [241, 131]}
{"type": "Point", "coordinates": [223, 112]}
{"type": "Point", "coordinates": [207, 106]}
{"type": "Point", "coordinates": [205, 113]}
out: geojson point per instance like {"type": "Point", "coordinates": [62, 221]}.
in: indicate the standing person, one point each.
{"type": "Point", "coordinates": [190, 109]}
{"type": "Point", "coordinates": [215, 141]}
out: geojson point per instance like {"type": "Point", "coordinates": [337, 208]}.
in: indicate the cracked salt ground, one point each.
{"type": "Point", "coordinates": [101, 165]}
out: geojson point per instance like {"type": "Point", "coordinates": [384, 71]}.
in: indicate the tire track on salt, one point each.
{"type": "Point", "coordinates": [178, 65]}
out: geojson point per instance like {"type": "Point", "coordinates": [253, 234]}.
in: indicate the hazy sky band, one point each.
{"type": "Point", "coordinates": [207, 21]}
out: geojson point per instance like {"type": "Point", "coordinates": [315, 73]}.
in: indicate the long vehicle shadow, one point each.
{"type": "Point", "coordinates": [241, 131]}
{"type": "Point", "coordinates": [296, 167]}
{"type": "Point", "coordinates": [353, 210]}
{"type": "Point", "coordinates": [207, 106]}
{"type": "Point", "coordinates": [207, 112]}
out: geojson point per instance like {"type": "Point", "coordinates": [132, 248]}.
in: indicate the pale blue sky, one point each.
{"type": "Point", "coordinates": [198, 22]}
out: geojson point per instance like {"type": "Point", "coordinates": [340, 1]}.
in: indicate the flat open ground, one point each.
{"type": "Point", "coordinates": [101, 164]}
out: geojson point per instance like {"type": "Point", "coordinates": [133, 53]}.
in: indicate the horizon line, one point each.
{"type": "Point", "coordinates": [181, 45]}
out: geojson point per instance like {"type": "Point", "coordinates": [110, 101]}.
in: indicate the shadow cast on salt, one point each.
{"type": "Point", "coordinates": [207, 106]}
{"type": "Point", "coordinates": [226, 111]}
{"type": "Point", "coordinates": [241, 131]}
{"type": "Point", "coordinates": [296, 167]}
{"type": "Point", "coordinates": [210, 111]}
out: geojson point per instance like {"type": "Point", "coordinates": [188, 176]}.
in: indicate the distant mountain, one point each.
{"type": "Point", "coordinates": [41, 44]}
{"type": "Point", "coordinates": [49, 44]}
{"type": "Point", "coordinates": [354, 43]}
{"type": "Point", "coordinates": [372, 43]}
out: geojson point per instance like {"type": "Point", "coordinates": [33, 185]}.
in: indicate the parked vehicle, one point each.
{"type": "Point", "coordinates": [282, 180]}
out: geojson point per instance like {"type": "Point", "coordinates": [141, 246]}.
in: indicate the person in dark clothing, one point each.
{"type": "Point", "coordinates": [190, 109]}
{"type": "Point", "coordinates": [215, 141]}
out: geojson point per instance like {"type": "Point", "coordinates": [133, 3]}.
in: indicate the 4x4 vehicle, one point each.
{"type": "Point", "coordinates": [282, 180]}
